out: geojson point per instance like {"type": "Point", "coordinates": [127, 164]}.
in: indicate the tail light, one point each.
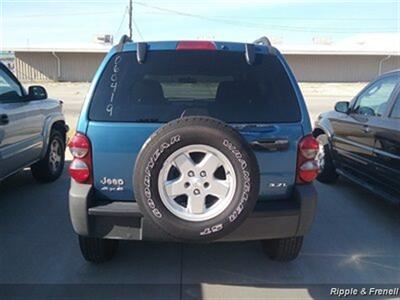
{"type": "Point", "coordinates": [307, 166]}
{"type": "Point", "coordinates": [80, 168]}
{"type": "Point", "coordinates": [196, 45]}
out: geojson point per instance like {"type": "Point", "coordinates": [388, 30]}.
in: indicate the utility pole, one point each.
{"type": "Point", "coordinates": [130, 19]}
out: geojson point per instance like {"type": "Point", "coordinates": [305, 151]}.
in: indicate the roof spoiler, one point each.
{"type": "Point", "coordinates": [250, 54]}
{"type": "Point", "coordinates": [141, 50]}
{"type": "Point", "coordinates": [124, 39]}
{"type": "Point", "coordinates": [250, 49]}
{"type": "Point", "coordinates": [263, 41]}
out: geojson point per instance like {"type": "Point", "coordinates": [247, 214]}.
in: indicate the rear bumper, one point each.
{"type": "Point", "coordinates": [124, 220]}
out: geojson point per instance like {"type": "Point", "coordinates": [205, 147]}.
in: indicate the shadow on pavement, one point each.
{"type": "Point", "coordinates": [354, 240]}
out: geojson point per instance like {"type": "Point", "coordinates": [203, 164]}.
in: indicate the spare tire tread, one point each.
{"type": "Point", "coordinates": [188, 120]}
{"type": "Point", "coordinates": [180, 229]}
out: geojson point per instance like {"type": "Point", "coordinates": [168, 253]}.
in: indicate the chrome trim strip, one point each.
{"type": "Point", "coordinates": [15, 149]}
{"type": "Point", "coordinates": [387, 154]}
{"type": "Point", "coordinates": [353, 143]}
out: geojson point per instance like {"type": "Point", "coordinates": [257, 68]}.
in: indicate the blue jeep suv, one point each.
{"type": "Point", "coordinates": [193, 141]}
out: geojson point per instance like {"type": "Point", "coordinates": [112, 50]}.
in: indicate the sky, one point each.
{"type": "Point", "coordinates": [39, 22]}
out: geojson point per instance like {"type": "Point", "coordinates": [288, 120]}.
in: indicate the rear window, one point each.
{"type": "Point", "coordinates": [171, 84]}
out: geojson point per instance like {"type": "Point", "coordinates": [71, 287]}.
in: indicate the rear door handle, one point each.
{"type": "Point", "coordinates": [4, 119]}
{"type": "Point", "coordinates": [271, 145]}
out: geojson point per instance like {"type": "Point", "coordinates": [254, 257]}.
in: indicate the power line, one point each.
{"type": "Point", "coordinates": [137, 29]}
{"type": "Point", "coordinates": [275, 17]}
{"type": "Point", "coordinates": [63, 14]}
{"type": "Point", "coordinates": [259, 25]}
{"type": "Point", "coordinates": [122, 22]}
{"type": "Point", "coordinates": [339, 19]}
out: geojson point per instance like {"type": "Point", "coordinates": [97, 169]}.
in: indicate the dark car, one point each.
{"type": "Point", "coordinates": [361, 138]}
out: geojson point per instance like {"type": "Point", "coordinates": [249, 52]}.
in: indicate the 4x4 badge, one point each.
{"type": "Point", "coordinates": [277, 185]}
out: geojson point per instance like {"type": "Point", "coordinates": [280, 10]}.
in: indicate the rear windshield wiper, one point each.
{"type": "Point", "coordinates": [148, 120]}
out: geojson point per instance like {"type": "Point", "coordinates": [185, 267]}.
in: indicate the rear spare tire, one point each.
{"type": "Point", "coordinates": [196, 178]}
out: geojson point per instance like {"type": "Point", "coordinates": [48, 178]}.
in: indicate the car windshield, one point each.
{"type": "Point", "coordinates": [171, 84]}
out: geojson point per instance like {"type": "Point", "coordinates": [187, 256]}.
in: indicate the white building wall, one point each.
{"type": "Point", "coordinates": [339, 68]}
{"type": "Point", "coordinates": [36, 66]}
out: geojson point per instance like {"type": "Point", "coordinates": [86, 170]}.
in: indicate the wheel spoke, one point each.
{"type": "Point", "coordinates": [184, 163]}
{"type": "Point", "coordinates": [321, 156]}
{"type": "Point", "coordinates": [210, 163]}
{"type": "Point", "coordinates": [186, 194]}
{"type": "Point", "coordinates": [54, 147]}
{"type": "Point", "coordinates": [196, 204]}
{"type": "Point", "coordinates": [175, 188]}
{"type": "Point", "coordinates": [219, 188]}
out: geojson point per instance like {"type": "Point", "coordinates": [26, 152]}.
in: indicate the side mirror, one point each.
{"type": "Point", "coordinates": [342, 106]}
{"type": "Point", "coordinates": [37, 92]}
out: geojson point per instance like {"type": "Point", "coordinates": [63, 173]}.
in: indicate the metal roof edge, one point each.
{"type": "Point", "coordinates": [284, 49]}
{"type": "Point", "coordinates": [336, 52]}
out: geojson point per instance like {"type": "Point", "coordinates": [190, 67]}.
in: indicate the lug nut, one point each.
{"type": "Point", "coordinates": [203, 174]}
{"type": "Point", "coordinates": [190, 173]}
{"type": "Point", "coordinates": [196, 192]}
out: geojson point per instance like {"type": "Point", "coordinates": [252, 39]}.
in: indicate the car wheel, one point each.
{"type": "Point", "coordinates": [327, 171]}
{"type": "Point", "coordinates": [97, 250]}
{"type": "Point", "coordinates": [285, 249]}
{"type": "Point", "coordinates": [196, 178]}
{"type": "Point", "coordinates": [51, 166]}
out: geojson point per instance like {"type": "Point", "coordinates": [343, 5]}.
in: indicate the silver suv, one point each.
{"type": "Point", "coordinates": [32, 130]}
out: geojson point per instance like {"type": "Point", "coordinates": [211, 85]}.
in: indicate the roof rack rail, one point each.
{"type": "Point", "coordinates": [124, 39]}
{"type": "Point", "coordinates": [263, 41]}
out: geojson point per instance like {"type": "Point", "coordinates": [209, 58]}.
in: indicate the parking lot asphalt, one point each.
{"type": "Point", "coordinates": [354, 240]}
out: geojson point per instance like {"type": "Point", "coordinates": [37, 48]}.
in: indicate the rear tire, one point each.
{"type": "Point", "coordinates": [97, 250]}
{"type": "Point", "coordinates": [286, 249]}
{"type": "Point", "coordinates": [51, 166]}
{"type": "Point", "coordinates": [327, 172]}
